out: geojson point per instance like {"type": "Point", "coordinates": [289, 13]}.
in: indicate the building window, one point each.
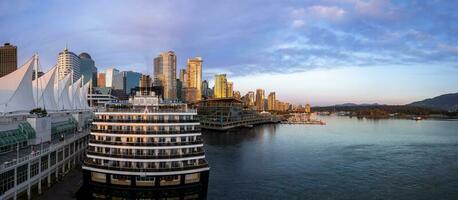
{"type": "Point", "coordinates": [22, 174]}
{"type": "Point", "coordinates": [6, 181]}
{"type": "Point", "coordinates": [34, 170]}
{"type": "Point", "coordinates": [44, 163]}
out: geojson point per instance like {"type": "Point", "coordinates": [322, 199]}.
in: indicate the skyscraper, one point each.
{"type": "Point", "coordinates": [271, 100]}
{"type": "Point", "coordinates": [206, 91]}
{"type": "Point", "coordinates": [249, 99]}
{"type": "Point", "coordinates": [165, 74]}
{"type": "Point", "coordinates": [88, 69]}
{"type": "Point", "coordinates": [110, 73]}
{"type": "Point", "coordinates": [230, 89]}
{"type": "Point", "coordinates": [194, 78]}
{"type": "Point", "coordinates": [8, 59]}
{"type": "Point", "coordinates": [237, 95]}
{"type": "Point", "coordinates": [220, 90]}
{"type": "Point", "coordinates": [259, 100]}
{"type": "Point", "coordinates": [68, 62]}
{"type": "Point", "coordinates": [126, 81]}
{"type": "Point", "coordinates": [101, 80]}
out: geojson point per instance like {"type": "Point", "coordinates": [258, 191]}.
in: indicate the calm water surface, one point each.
{"type": "Point", "coordinates": [346, 159]}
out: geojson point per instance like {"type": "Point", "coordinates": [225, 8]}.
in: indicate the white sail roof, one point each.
{"type": "Point", "coordinates": [74, 90]}
{"type": "Point", "coordinates": [44, 88]}
{"type": "Point", "coordinates": [84, 93]}
{"type": "Point", "coordinates": [62, 95]}
{"type": "Point", "coordinates": [16, 90]}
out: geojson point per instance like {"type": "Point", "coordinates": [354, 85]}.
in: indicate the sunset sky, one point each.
{"type": "Point", "coordinates": [319, 52]}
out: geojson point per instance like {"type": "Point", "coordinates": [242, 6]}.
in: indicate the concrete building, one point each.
{"type": "Point", "coordinates": [110, 73]}
{"type": "Point", "coordinates": [8, 59]}
{"type": "Point", "coordinates": [68, 62]}
{"type": "Point", "coordinates": [88, 69]}
{"type": "Point", "coordinates": [259, 100]}
{"type": "Point", "coordinates": [220, 90]}
{"type": "Point", "coordinates": [271, 100]}
{"type": "Point", "coordinates": [165, 74]}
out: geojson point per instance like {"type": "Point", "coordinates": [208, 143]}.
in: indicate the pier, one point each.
{"type": "Point", "coordinates": [228, 113]}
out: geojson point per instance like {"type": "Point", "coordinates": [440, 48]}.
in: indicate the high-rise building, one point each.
{"type": "Point", "coordinates": [68, 62]}
{"type": "Point", "coordinates": [180, 90]}
{"type": "Point", "coordinates": [8, 59]}
{"type": "Point", "coordinates": [206, 91]}
{"type": "Point", "coordinates": [237, 95]}
{"type": "Point", "coordinates": [110, 73]}
{"type": "Point", "coordinates": [145, 81]}
{"type": "Point", "coordinates": [308, 108]}
{"type": "Point", "coordinates": [259, 100]}
{"type": "Point", "coordinates": [165, 74]}
{"type": "Point", "coordinates": [220, 90]}
{"type": "Point", "coordinates": [230, 89]}
{"type": "Point", "coordinates": [88, 69]}
{"type": "Point", "coordinates": [194, 79]}
{"type": "Point", "coordinates": [183, 75]}
{"type": "Point", "coordinates": [271, 99]}
{"type": "Point", "coordinates": [249, 99]}
{"type": "Point", "coordinates": [101, 80]}
{"type": "Point", "coordinates": [126, 81]}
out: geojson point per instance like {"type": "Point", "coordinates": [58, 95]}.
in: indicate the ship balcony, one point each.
{"type": "Point", "coordinates": [96, 130]}
{"type": "Point", "coordinates": [120, 143]}
{"type": "Point", "coordinates": [146, 120]}
{"type": "Point", "coordinates": [199, 164]}
{"type": "Point", "coordinates": [146, 156]}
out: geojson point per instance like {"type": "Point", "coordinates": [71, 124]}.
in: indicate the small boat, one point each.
{"type": "Point", "coordinates": [417, 118]}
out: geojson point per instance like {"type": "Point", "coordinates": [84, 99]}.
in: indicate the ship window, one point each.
{"type": "Point", "coordinates": [120, 180]}
{"type": "Point", "coordinates": [98, 177]}
{"type": "Point", "coordinates": [169, 180]}
{"type": "Point", "coordinates": [145, 181]}
{"type": "Point", "coordinates": [192, 178]}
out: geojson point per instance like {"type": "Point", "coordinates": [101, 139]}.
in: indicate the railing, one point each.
{"type": "Point", "coordinates": [137, 156]}
{"type": "Point", "coordinates": [153, 144]}
{"type": "Point", "coordinates": [68, 139]}
{"type": "Point", "coordinates": [95, 130]}
{"type": "Point", "coordinates": [141, 109]}
{"type": "Point", "coordinates": [146, 120]}
{"type": "Point", "coordinates": [201, 164]}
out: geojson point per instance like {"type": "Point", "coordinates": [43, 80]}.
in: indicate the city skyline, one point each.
{"type": "Point", "coordinates": [331, 52]}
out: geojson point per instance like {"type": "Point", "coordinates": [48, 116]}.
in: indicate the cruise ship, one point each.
{"type": "Point", "coordinates": [145, 146]}
{"type": "Point", "coordinates": [44, 129]}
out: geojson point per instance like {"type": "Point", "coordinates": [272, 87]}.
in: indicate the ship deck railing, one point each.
{"type": "Point", "coordinates": [120, 143]}
{"type": "Point", "coordinates": [145, 121]}
{"type": "Point", "coordinates": [159, 156]}
{"type": "Point", "coordinates": [88, 162]}
{"type": "Point", "coordinates": [95, 130]}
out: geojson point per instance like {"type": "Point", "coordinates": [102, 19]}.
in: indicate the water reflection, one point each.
{"type": "Point", "coordinates": [238, 136]}
{"type": "Point", "coordinates": [99, 192]}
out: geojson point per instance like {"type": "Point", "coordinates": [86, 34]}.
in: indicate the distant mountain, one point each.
{"type": "Point", "coordinates": [448, 102]}
{"type": "Point", "coordinates": [356, 105]}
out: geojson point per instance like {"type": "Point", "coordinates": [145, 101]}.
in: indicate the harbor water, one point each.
{"type": "Point", "coordinates": [345, 159]}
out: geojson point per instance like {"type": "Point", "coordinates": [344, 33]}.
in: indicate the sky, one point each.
{"type": "Point", "coordinates": [319, 52]}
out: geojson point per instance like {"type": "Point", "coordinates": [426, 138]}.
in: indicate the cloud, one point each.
{"type": "Point", "coordinates": [332, 13]}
